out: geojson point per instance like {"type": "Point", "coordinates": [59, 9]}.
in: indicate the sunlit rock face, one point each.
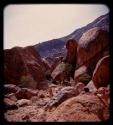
{"type": "Point", "coordinates": [91, 47]}
{"type": "Point", "coordinates": [86, 107]}
{"type": "Point", "coordinates": [101, 72]}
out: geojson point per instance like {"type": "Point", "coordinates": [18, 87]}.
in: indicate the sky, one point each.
{"type": "Point", "coordinates": [30, 24]}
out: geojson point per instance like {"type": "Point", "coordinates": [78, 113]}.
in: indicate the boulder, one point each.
{"type": "Point", "coordinates": [22, 114]}
{"type": "Point", "coordinates": [84, 107]}
{"type": "Point", "coordinates": [55, 62]}
{"type": "Point", "coordinates": [81, 75]}
{"type": "Point", "coordinates": [9, 104]}
{"type": "Point", "coordinates": [71, 47]}
{"type": "Point", "coordinates": [62, 72]}
{"type": "Point", "coordinates": [46, 64]}
{"type": "Point", "coordinates": [23, 102]}
{"type": "Point", "coordinates": [103, 93]}
{"type": "Point", "coordinates": [21, 66]}
{"type": "Point", "coordinates": [63, 94]}
{"type": "Point", "coordinates": [58, 72]}
{"type": "Point", "coordinates": [47, 68]}
{"type": "Point", "coordinates": [25, 93]}
{"type": "Point", "coordinates": [91, 87]}
{"type": "Point", "coordinates": [101, 72]}
{"type": "Point", "coordinates": [91, 47]}
{"type": "Point", "coordinates": [11, 96]}
{"type": "Point", "coordinates": [10, 88]}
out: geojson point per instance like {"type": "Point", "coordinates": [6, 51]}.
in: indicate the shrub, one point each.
{"type": "Point", "coordinates": [26, 81]}
{"type": "Point", "coordinates": [85, 78]}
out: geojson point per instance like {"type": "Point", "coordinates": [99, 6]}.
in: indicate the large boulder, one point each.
{"type": "Point", "coordinates": [71, 47]}
{"type": "Point", "coordinates": [102, 72]}
{"type": "Point", "coordinates": [91, 47]}
{"type": "Point", "coordinates": [23, 66]}
{"type": "Point", "coordinates": [84, 107]}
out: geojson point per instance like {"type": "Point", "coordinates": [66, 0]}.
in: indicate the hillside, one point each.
{"type": "Point", "coordinates": [74, 90]}
{"type": "Point", "coordinates": [55, 47]}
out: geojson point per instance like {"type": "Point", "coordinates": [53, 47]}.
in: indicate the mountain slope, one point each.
{"type": "Point", "coordinates": [55, 47]}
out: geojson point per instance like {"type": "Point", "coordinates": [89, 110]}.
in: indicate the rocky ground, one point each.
{"type": "Point", "coordinates": [75, 89]}
{"type": "Point", "coordinates": [57, 103]}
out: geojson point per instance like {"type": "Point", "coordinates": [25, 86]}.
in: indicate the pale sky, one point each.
{"type": "Point", "coordinates": [26, 25]}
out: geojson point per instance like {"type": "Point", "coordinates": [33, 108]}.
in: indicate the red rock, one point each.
{"type": "Point", "coordinates": [71, 47]}
{"type": "Point", "coordinates": [101, 72]}
{"type": "Point", "coordinates": [23, 102]}
{"type": "Point", "coordinates": [91, 87]}
{"type": "Point", "coordinates": [41, 94]}
{"type": "Point", "coordinates": [22, 114]}
{"type": "Point", "coordinates": [46, 64]}
{"type": "Point", "coordinates": [9, 104]}
{"type": "Point", "coordinates": [23, 62]}
{"type": "Point", "coordinates": [103, 93]}
{"type": "Point", "coordinates": [63, 94]}
{"type": "Point", "coordinates": [58, 72]}
{"type": "Point", "coordinates": [79, 72]}
{"type": "Point", "coordinates": [85, 107]}
{"type": "Point", "coordinates": [11, 96]}
{"type": "Point", "coordinates": [10, 88]}
{"type": "Point", "coordinates": [91, 46]}
{"type": "Point", "coordinates": [26, 117]}
{"type": "Point", "coordinates": [34, 98]}
{"type": "Point", "coordinates": [55, 62]}
{"type": "Point", "coordinates": [25, 93]}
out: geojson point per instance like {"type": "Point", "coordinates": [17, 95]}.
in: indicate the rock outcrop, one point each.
{"type": "Point", "coordinates": [31, 92]}
{"type": "Point", "coordinates": [65, 93]}
{"type": "Point", "coordinates": [91, 47]}
{"type": "Point", "coordinates": [102, 72]}
{"type": "Point", "coordinates": [83, 108]}
{"type": "Point", "coordinates": [23, 66]}
{"type": "Point", "coordinates": [71, 47]}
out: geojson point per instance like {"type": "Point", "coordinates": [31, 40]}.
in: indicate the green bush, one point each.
{"type": "Point", "coordinates": [85, 78]}
{"type": "Point", "coordinates": [26, 81]}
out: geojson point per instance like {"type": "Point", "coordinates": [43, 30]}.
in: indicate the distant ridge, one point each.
{"type": "Point", "coordinates": [55, 47]}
